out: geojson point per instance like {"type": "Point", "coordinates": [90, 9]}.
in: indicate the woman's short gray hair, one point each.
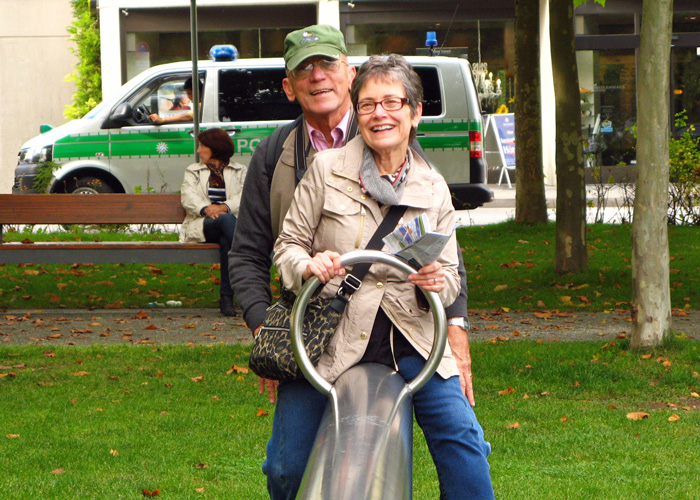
{"type": "Point", "coordinates": [390, 68]}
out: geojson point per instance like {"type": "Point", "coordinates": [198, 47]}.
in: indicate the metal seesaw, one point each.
{"type": "Point", "coordinates": [364, 445]}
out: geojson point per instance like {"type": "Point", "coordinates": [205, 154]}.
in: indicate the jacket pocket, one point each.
{"type": "Point", "coordinates": [339, 225]}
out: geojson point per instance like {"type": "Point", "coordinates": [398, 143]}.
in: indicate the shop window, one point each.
{"type": "Point", "coordinates": [686, 87]}
{"type": "Point", "coordinates": [608, 105]}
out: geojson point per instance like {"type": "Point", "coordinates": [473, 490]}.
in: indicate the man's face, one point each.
{"type": "Point", "coordinates": [321, 94]}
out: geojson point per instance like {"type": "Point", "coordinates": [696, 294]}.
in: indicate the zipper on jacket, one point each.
{"type": "Point", "coordinates": [363, 212]}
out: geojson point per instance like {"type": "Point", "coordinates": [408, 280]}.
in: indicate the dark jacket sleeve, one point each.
{"type": "Point", "coordinates": [250, 257]}
{"type": "Point", "coordinates": [459, 306]}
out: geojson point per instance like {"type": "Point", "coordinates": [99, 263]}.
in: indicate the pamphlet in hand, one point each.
{"type": "Point", "coordinates": [414, 243]}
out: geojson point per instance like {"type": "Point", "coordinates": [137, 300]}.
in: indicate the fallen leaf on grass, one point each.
{"type": "Point", "coordinates": [153, 493]}
{"type": "Point", "coordinates": [637, 415]}
{"type": "Point", "coordinates": [81, 373]}
{"type": "Point", "coordinates": [262, 413]}
{"type": "Point", "coordinates": [197, 379]}
{"type": "Point", "coordinates": [12, 436]}
{"type": "Point", "coordinates": [201, 466]}
{"type": "Point", "coordinates": [237, 369]}
{"type": "Point", "coordinates": [674, 418]}
{"type": "Point", "coordinates": [114, 453]}
{"type": "Point", "coordinates": [499, 288]}
{"type": "Point", "coordinates": [200, 490]}
{"type": "Point", "coordinates": [57, 471]}
{"type": "Point", "coordinates": [514, 425]}
{"type": "Point", "coordinates": [507, 391]}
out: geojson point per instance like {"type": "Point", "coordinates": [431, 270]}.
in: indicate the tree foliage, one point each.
{"type": "Point", "coordinates": [87, 74]}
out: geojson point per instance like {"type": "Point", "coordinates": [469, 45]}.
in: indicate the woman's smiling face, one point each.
{"type": "Point", "coordinates": [385, 131]}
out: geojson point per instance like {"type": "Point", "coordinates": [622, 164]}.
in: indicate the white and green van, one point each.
{"type": "Point", "coordinates": [115, 148]}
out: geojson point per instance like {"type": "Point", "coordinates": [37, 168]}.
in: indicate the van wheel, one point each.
{"type": "Point", "coordinates": [89, 185]}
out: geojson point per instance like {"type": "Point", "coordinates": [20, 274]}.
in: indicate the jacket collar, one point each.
{"type": "Point", "coordinates": [419, 181]}
{"type": "Point", "coordinates": [203, 166]}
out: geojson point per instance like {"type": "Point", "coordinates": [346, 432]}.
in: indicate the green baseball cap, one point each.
{"type": "Point", "coordinates": [317, 40]}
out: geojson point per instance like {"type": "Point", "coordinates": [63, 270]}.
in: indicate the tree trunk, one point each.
{"type": "Point", "coordinates": [530, 200]}
{"type": "Point", "coordinates": [651, 301]}
{"type": "Point", "coordinates": [571, 253]}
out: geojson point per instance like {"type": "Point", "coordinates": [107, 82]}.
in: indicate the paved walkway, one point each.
{"type": "Point", "coordinates": [207, 326]}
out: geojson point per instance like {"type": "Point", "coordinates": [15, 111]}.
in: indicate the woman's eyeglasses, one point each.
{"type": "Point", "coordinates": [389, 104]}
{"type": "Point", "coordinates": [328, 66]}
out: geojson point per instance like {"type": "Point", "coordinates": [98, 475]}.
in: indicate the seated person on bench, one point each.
{"type": "Point", "coordinates": [211, 195]}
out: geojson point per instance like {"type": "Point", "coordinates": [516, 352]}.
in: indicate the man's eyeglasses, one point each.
{"type": "Point", "coordinates": [389, 104]}
{"type": "Point", "coordinates": [328, 66]}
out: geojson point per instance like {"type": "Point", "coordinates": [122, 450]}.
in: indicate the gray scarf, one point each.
{"type": "Point", "coordinates": [384, 189]}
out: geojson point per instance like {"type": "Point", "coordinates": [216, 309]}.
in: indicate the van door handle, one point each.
{"type": "Point", "coordinates": [233, 131]}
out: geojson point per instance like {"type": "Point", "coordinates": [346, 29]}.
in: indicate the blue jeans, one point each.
{"type": "Point", "coordinates": [220, 230]}
{"type": "Point", "coordinates": [454, 437]}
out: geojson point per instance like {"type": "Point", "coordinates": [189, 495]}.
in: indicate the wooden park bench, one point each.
{"type": "Point", "coordinates": [98, 209]}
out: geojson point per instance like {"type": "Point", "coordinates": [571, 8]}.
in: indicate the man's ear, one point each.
{"type": "Point", "coordinates": [289, 89]}
{"type": "Point", "coordinates": [352, 73]}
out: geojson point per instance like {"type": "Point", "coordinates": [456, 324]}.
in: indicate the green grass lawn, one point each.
{"type": "Point", "coordinates": [107, 422]}
{"type": "Point", "coordinates": [508, 265]}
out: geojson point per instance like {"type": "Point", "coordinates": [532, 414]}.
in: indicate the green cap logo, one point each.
{"type": "Point", "coordinates": [318, 40]}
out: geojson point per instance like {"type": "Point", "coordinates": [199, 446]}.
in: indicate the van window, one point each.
{"type": "Point", "coordinates": [165, 96]}
{"type": "Point", "coordinates": [254, 95]}
{"type": "Point", "coordinates": [432, 97]}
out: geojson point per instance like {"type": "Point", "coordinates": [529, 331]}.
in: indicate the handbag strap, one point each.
{"type": "Point", "coordinates": [353, 281]}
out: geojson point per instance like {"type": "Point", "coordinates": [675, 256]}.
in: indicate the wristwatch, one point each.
{"type": "Point", "coordinates": [457, 321]}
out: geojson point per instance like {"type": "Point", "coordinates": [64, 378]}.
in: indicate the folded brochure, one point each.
{"type": "Point", "coordinates": [414, 243]}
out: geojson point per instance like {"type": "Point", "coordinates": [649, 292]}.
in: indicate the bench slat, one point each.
{"type": "Point", "coordinates": [105, 252]}
{"type": "Point", "coordinates": [91, 209]}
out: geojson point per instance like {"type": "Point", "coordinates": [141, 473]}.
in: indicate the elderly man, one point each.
{"type": "Point", "coordinates": [319, 78]}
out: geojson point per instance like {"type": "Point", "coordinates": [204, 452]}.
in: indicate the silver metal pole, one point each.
{"type": "Point", "coordinates": [195, 75]}
{"type": "Point", "coordinates": [308, 369]}
{"type": "Point", "coordinates": [363, 448]}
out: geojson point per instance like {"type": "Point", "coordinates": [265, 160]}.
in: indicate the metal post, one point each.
{"type": "Point", "coordinates": [363, 448]}
{"type": "Point", "coordinates": [195, 75]}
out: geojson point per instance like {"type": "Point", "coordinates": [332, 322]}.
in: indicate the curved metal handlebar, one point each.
{"type": "Point", "coordinates": [355, 257]}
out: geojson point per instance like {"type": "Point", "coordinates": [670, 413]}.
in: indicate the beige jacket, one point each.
{"type": "Point", "coordinates": [330, 212]}
{"type": "Point", "coordinates": [194, 195]}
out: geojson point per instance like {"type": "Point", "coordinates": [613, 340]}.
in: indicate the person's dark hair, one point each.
{"type": "Point", "coordinates": [188, 85]}
{"type": "Point", "coordinates": [219, 142]}
{"type": "Point", "coordinates": [390, 68]}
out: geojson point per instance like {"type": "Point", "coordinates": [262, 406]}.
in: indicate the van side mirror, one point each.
{"type": "Point", "coordinates": [120, 117]}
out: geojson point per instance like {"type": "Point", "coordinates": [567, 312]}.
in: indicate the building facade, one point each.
{"type": "Point", "coordinates": [35, 55]}
{"type": "Point", "coordinates": [137, 34]}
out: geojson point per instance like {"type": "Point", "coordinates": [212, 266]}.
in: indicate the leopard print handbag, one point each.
{"type": "Point", "coordinates": [272, 356]}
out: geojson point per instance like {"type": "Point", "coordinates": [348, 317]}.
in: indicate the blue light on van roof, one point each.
{"type": "Point", "coordinates": [431, 39]}
{"type": "Point", "coordinates": [223, 53]}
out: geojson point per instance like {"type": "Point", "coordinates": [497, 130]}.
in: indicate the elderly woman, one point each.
{"type": "Point", "coordinates": [337, 207]}
{"type": "Point", "coordinates": [211, 195]}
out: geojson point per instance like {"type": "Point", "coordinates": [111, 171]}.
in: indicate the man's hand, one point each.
{"type": "Point", "coordinates": [459, 343]}
{"type": "Point", "coordinates": [271, 386]}
{"type": "Point", "coordinates": [265, 383]}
